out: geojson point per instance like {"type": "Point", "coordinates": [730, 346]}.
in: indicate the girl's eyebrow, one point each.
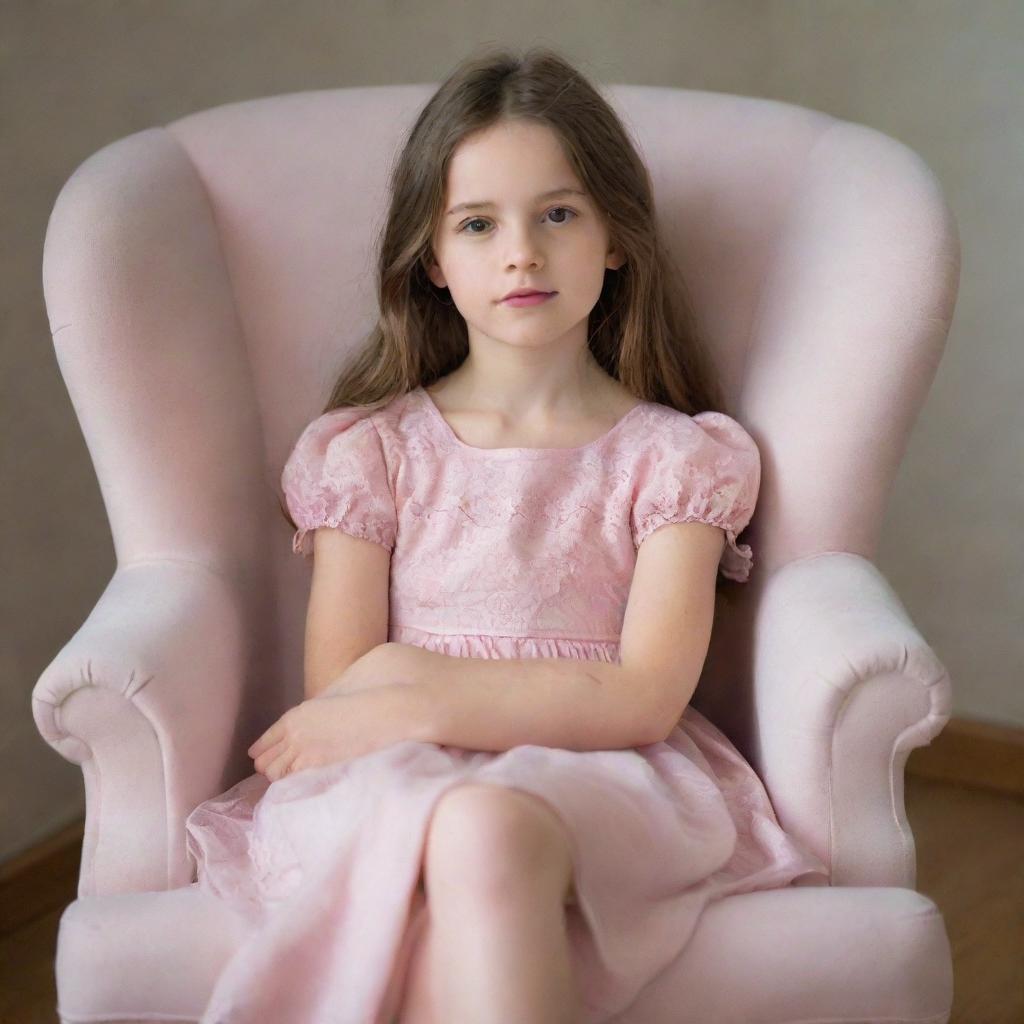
{"type": "Point", "coordinates": [481, 204]}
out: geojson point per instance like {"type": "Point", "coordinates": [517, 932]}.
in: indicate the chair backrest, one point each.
{"type": "Point", "coordinates": [205, 281]}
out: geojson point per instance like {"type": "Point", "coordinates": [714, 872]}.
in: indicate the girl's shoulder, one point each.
{"type": "Point", "coordinates": [404, 424]}
{"type": "Point", "coordinates": [410, 423]}
{"type": "Point", "coordinates": [386, 419]}
{"type": "Point", "coordinates": [661, 430]}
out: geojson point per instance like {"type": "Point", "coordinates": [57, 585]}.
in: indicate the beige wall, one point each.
{"type": "Point", "coordinates": [944, 76]}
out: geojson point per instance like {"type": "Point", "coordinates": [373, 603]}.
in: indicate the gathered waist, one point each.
{"type": "Point", "coordinates": [485, 645]}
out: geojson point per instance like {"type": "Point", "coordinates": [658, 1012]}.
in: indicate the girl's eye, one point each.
{"type": "Point", "coordinates": [475, 220]}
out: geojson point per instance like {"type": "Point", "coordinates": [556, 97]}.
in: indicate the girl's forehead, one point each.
{"type": "Point", "coordinates": [519, 156]}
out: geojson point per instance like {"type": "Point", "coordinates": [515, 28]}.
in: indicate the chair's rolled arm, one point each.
{"type": "Point", "coordinates": [844, 688]}
{"type": "Point", "coordinates": [146, 698]}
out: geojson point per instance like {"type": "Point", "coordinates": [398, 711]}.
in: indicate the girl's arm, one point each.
{"type": "Point", "coordinates": [499, 703]}
{"type": "Point", "coordinates": [347, 617]}
{"type": "Point", "coordinates": [373, 669]}
{"type": "Point", "coordinates": [496, 704]}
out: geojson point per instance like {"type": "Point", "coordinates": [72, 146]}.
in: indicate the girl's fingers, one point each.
{"type": "Point", "coordinates": [259, 746]}
{"type": "Point", "coordinates": [278, 768]}
{"type": "Point", "coordinates": [270, 755]}
{"type": "Point", "coordinates": [266, 741]}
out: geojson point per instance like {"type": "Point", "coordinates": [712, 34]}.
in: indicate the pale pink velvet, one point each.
{"type": "Point", "coordinates": [496, 553]}
{"type": "Point", "coordinates": [204, 280]}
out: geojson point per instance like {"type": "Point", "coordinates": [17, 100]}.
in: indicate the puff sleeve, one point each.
{"type": "Point", "coordinates": [705, 468]}
{"type": "Point", "coordinates": [336, 475]}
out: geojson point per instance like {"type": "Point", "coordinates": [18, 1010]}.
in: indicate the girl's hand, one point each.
{"type": "Point", "coordinates": [324, 730]}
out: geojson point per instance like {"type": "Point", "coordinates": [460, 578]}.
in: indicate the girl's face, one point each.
{"type": "Point", "coordinates": [520, 237]}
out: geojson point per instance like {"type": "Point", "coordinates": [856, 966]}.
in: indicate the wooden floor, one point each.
{"type": "Point", "coordinates": [970, 851]}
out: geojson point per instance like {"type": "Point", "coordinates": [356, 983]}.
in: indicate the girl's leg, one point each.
{"type": "Point", "coordinates": [498, 871]}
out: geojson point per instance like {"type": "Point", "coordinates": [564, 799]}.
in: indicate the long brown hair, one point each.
{"type": "Point", "coordinates": [641, 331]}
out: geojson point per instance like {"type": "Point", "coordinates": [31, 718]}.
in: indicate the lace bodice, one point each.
{"type": "Point", "coordinates": [526, 544]}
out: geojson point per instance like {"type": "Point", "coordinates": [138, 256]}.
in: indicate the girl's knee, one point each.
{"type": "Point", "coordinates": [492, 839]}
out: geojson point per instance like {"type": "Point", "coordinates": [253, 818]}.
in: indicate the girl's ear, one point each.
{"type": "Point", "coordinates": [434, 273]}
{"type": "Point", "coordinates": [616, 258]}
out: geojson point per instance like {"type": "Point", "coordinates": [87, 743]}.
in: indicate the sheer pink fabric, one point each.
{"type": "Point", "coordinates": [495, 553]}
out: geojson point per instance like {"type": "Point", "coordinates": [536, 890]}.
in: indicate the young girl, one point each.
{"type": "Point", "coordinates": [495, 804]}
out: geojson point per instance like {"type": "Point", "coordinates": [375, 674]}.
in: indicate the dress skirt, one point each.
{"type": "Point", "coordinates": [325, 863]}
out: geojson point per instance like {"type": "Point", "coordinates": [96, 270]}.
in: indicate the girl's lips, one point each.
{"type": "Point", "coordinates": [533, 299]}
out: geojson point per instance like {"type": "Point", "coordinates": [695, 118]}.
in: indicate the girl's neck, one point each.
{"type": "Point", "coordinates": [588, 396]}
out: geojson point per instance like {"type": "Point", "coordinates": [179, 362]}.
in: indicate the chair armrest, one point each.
{"type": "Point", "coordinates": [844, 688]}
{"type": "Point", "coordinates": [146, 698]}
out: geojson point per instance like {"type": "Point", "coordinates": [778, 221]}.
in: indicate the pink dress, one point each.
{"type": "Point", "coordinates": [495, 553]}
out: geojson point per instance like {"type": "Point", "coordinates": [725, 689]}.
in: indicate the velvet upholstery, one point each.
{"type": "Point", "coordinates": [205, 279]}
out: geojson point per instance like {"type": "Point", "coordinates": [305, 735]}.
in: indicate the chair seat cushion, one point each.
{"type": "Point", "coordinates": [806, 954]}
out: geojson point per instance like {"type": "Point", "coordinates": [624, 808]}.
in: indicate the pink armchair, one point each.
{"type": "Point", "coordinates": [206, 278]}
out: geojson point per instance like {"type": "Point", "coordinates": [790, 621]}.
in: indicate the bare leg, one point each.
{"type": "Point", "coordinates": [495, 947]}
{"type": "Point", "coordinates": [505, 963]}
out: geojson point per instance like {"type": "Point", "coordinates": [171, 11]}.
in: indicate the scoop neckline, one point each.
{"type": "Point", "coordinates": [455, 439]}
